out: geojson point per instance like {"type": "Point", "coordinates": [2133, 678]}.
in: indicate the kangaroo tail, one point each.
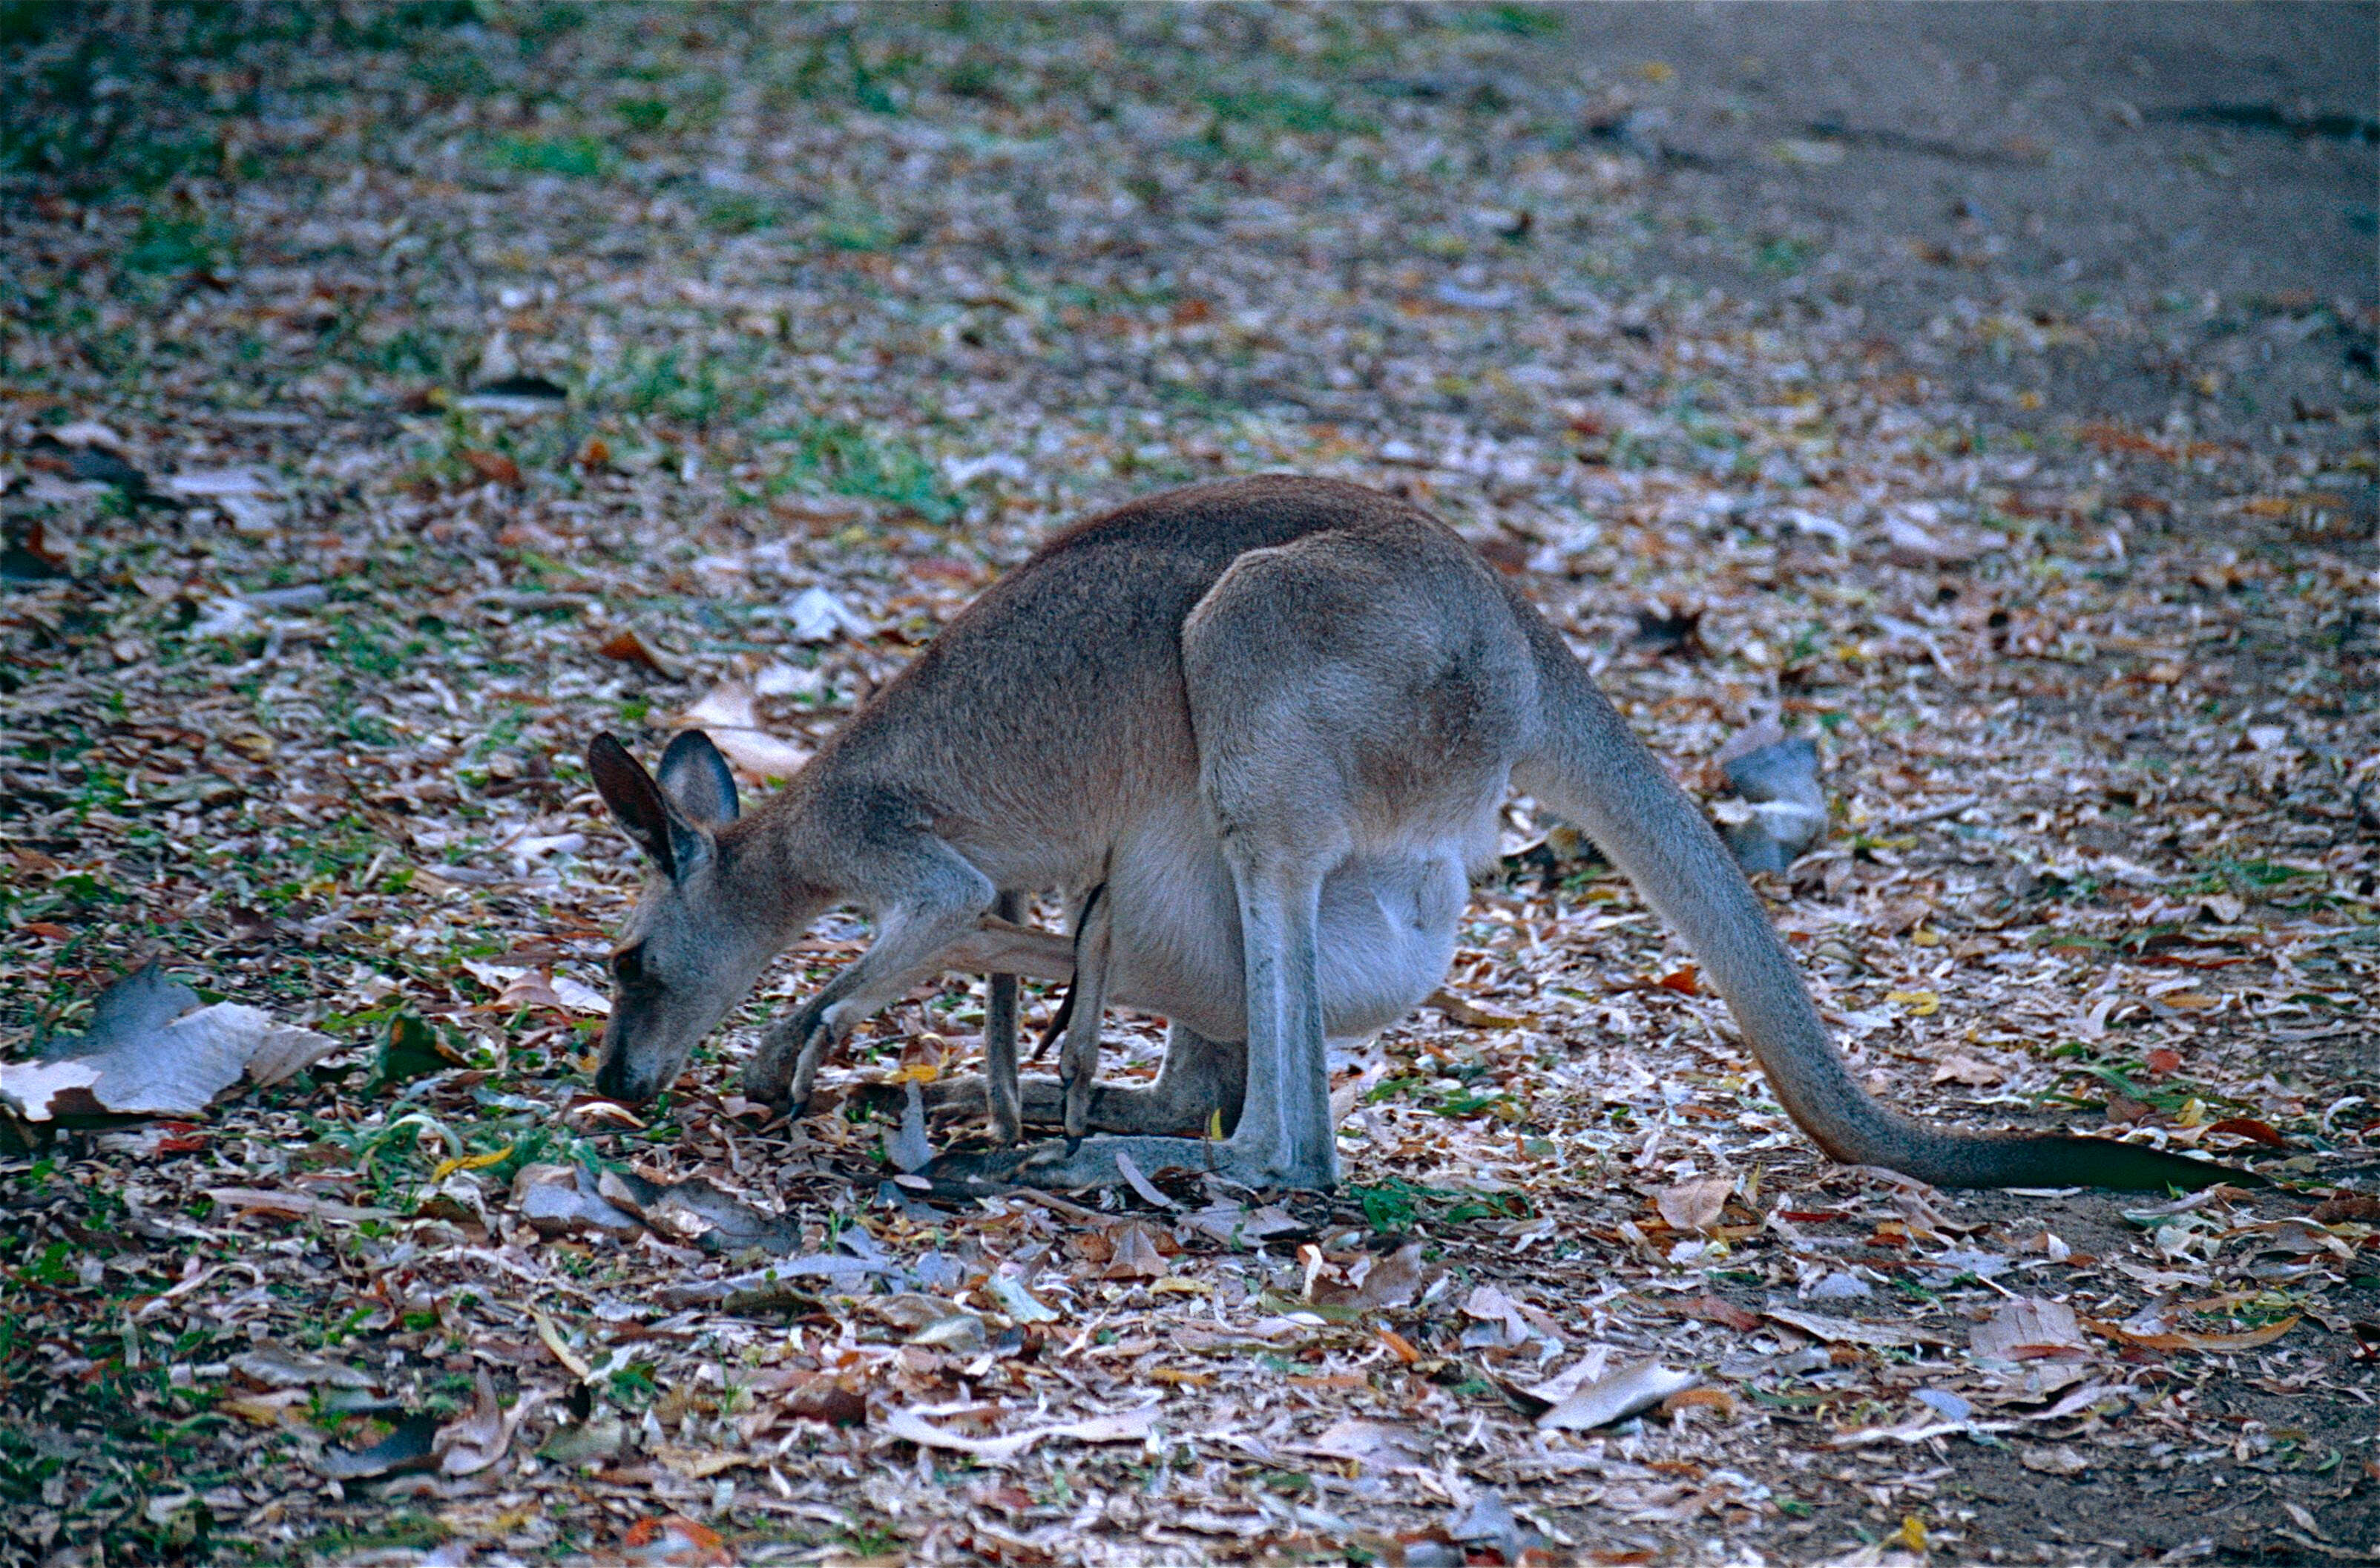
{"type": "Point", "coordinates": [1590, 769]}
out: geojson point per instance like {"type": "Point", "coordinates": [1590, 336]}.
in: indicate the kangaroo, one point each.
{"type": "Point", "coordinates": [1273, 720]}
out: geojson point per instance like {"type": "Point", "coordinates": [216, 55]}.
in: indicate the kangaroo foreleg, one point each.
{"type": "Point", "coordinates": [999, 1038]}
{"type": "Point", "coordinates": [1078, 1061]}
{"type": "Point", "coordinates": [1284, 1135]}
{"type": "Point", "coordinates": [934, 898]}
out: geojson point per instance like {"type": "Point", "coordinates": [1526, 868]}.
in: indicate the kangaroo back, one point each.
{"type": "Point", "coordinates": [1586, 765]}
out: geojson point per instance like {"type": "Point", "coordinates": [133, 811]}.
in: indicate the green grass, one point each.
{"type": "Point", "coordinates": [574, 157]}
{"type": "Point", "coordinates": [849, 461]}
{"type": "Point", "coordinates": [1396, 1205]}
{"type": "Point", "coordinates": [1276, 109]}
{"type": "Point", "coordinates": [168, 242]}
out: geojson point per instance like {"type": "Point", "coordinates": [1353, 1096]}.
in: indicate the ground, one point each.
{"type": "Point", "coordinates": [395, 397]}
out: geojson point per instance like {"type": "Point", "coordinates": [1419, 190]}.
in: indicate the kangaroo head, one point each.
{"type": "Point", "coordinates": [700, 936]}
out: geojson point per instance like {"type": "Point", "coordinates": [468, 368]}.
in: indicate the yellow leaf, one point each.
{"type": "Point", "coordinates": [572, 1361]}
{"type": "Point", "coordinates": [1215, 1126]}
{"type": "Point", "coordinates": [1174, 1284]}
{"type": "Point", "coordinates": [469, 1162]}
{"type": "Point", "coordinates": [272, 1409]}
{"type": "Point", "coordinates": [916, 1073]}
{"type": "Point", "coordinates": [1924, 1003]}
{"type": "Point", "coordinates": [1926, 938]}
{"type": "Point", "coordinates": [1912, 1534]}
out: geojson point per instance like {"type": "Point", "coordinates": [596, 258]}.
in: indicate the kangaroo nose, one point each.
{"type": "Point", "coordinates": [613, 1081]}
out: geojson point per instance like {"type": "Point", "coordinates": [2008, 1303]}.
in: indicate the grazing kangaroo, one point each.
{"type": "Point", "coordinates": [1273, 722]}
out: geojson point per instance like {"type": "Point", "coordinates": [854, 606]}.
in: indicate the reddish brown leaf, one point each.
{"type": "Point", "coordinates": [630, 647]}
{"type": "Point", "coordinates": [493, 465]}
{"type": "Point", "coordinates": [1716, 1309]}
{"type": "Point", "coordinates": [2249, 1128]}
{"type": "Point", "coordinates": [2182, 1340]}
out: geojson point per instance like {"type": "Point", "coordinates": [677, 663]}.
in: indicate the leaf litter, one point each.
{"type": "Point", "coordinates": [485, 429]}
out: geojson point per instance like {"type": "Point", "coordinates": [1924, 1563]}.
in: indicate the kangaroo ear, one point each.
{"type": "Point", "coordinates": [636, 801]}
{"type": "Point", "coordinates": [696, 780]}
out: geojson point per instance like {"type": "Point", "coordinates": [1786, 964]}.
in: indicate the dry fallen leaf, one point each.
{"type": "Point", "coordinates": [2172, 1340]}
{"type": "Point", "coordinates": [1391, 1281]}
{"type": "Point", "coordinates": [154, 1049]}
{"type": "Point", "coordinates": [493, 465]}
{"type": "Point", "coordinates": [1712, 1310]}
{"type": "Point", "coordinates": [476, 1439]}
{"type": "Point", "coordinates": [1695, 1205]}
{"type": "Point", "coordinates": [553, 1201]}
{"type": "Point", "coordinates": [1135, 1255]}
{"type": "Point", "coordinates": [1616, 1394]}
{"type": "Point", "coordinates": [632, 647]}
{"type": "Point", "coordinates": [1959, 1068]}
{"type": "Point", "coordinates": [2024, 1329]}
{"type": "Point", "coordinates": [1852, 1331]}
{"type": "Point", "coordinates": [1374, 1444]}
{"type": "Point", "coordinates": [1131, 1426]}
{"type": "Point", "coordinates": [730, 715]}
{"type": "Point", "coordinates": [677, 1542]}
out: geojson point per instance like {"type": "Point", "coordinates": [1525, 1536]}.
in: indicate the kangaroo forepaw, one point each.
{"type": "Point", "coordinates": [785, 1066]}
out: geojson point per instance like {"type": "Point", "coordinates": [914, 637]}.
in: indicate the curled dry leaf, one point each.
{"type": "Point", "coordinates": [907, 1146]}
{"type": "Point", "coordinates": [632, 647]}
{"type": "Point", "coordinates": [2176, 1340]}
{"type": "Point", "coordinates": [1852, 1331]}
{"type": "Point", "coordinates": [1376, 1443]}
{"type": "Point", "coordinates": [2055, 1459]}
{"type": "Point", "coordinates": [1135, 1255]}
{"type": "Point", "coordinates": [493, 467]}
{"type": "Point", "coordinates": [676, 1542]}
{"type": "Point", "coordinates": [1714, 1309]}
{"type": "Point", "coordinates": [154, 1049]}
{"type": "Point", "coordinates": [1702, 1399]}
{"type": "Point", "coordinates": [2024, 1329]}
{"type": "Point", "coordinates": [554, 1203]}
{"type": "Point", "coordinates": [296, 1205]}
{"type": "Point", "coordinates": [1470, 1014]}
{"type": "Point", "coordinates": [700, 1212]}
{"type": "Point", "coordinates": [1143, 1189]}
{"type": "Point", "coordinates": [476, 1439]}
{"type": "Point", "coordinates": [1616, 1394]}
{"type": "Point", "coordinates": [1391, 1281]}
{"type": "Point", "coordinates": [1695, 1205]}
{"type": "Point", "coordinates": [730, 715]}
{"type": "Point", "coordinates": [277, 1367]}
{"type": "Point", "coordinates": [1960, 1068]}
{"type": "Point", "coordinates": [1131, 1426]}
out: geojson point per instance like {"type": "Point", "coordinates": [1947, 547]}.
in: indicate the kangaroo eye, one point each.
{"type": "Point", "coordinates": [628, 965]}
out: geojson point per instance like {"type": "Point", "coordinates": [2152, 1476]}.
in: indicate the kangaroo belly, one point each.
{"type": "Point", "coordinates": [1385, 936]}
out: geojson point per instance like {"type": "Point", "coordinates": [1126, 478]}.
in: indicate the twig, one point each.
{"type": "Point", "coordinates": [1936, 813]}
